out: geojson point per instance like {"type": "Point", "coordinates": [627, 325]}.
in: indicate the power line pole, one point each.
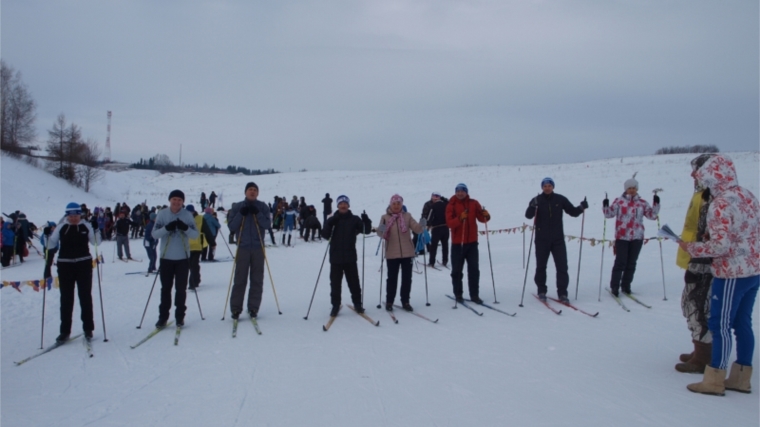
{"type": "Point", "coordinates": [108, 141]}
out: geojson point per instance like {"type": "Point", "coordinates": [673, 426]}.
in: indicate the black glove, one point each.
{"type": "Point", "coordinates": [367, 222]}
{"type": "Point", "coordinates": [47, 231]}
{"type": "Point", "coordinates": [181, 225]}
{"type": "Point", "coordinates": [171, 226]}
{"type": "Point", "coordinates": [656, 199]}
{"type": "Point", "coordinates": [584, 204]}
{"type": "Point", "coordinates": [244, 210]}
{"type": "Point", "coordinates": [533, 202]}
{"type": "Point", "coordinates": [365, 218]}
{"type": "Point", "coordinates": [253, 209]}
{"type": "Point", "coordinates": [606, 203]}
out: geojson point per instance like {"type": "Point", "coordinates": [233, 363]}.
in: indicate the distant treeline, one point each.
{"type": "Point", "coordinates": [161, 163]}
{"type": "Point", "coordinates": [688, 149]}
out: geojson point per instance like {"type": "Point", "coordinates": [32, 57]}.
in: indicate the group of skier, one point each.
{"type": "Point", "coordinates": [719, 248]}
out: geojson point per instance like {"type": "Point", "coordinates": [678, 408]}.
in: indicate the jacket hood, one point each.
{"type": "Point", "coordinates": [718, 174]}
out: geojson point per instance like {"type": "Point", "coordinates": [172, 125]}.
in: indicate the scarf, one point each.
{"type": "Point", "coordinates": [397, 217]}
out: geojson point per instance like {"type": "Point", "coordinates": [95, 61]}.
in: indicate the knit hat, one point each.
{"type": "Point", "coordinates": [397, 198]}
{"type": "Point", "coordinates": [343, 198]}
{"type": "Point", "coordinates": [631, 183]}
{"type": "Point", "coordinates": [547, 180]}
{"type": "Point", "coordinates": [51, 224]}
{"type": "Point", "coordinates": [208, 210]}
{"type": "Point", "coordinates": [462, 187]}
{"type": "Point", "coordinates": [73, 208]}
{"type": "Point", "coordinates": [190, 208]}
{"type": "Point", "coordinates": [177, 193]}
{"type": "Point", "coordinates": [249, 185]}
{"type": "Point", "coordinates": [435, 194]}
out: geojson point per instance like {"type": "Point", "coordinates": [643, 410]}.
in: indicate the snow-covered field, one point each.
{"type": "Point", "coordinates": [536, 369]}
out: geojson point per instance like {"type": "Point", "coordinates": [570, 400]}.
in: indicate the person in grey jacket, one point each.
{"type": "Point", "coordinates": [174, 227]}
{"type": "Point", "coordinates": [248, 220]}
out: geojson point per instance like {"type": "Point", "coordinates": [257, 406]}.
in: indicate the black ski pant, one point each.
{"type": "Point", "coordinates": [49, 262]}
{"type": "Point", "coordinates": [351, 272]}
{"type": "Point", "coordinates": [195, 269]}
{"type": "Point", "coordinates": [459, 254]}
{"type": "Point", "coordinates": [79, 275]}
{"type": "Point", "coordinates": [7, 255]}
{"type": "Point", "coordinates": [558, 251]}
{"type": "Point", "coordinates": [406, 279]}
{"type": "Point", "coordinates": [439, 234]}
{"type": "Point", "coordinates": [20, 245]}
{"type": "Point", "coordinates": [626, 255]}
{"type": "Point", "coordinates": [173, 273]}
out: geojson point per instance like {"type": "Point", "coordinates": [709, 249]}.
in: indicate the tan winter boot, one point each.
{"type": "Point", "coordinates": [712, 383]}
{"type": "Point", "coordinates": [701, 358]}
{"type": "Point", "coordinates": [738, 378]}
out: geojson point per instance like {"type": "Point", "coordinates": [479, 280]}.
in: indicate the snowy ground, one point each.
{"type": "Point", "coordinates": [536, 369]}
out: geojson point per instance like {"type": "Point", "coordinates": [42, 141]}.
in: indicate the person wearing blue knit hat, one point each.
{"type": "Point", "coordinates": [547, 210]}
{"type": "Point", "coordinates": [74, 269]}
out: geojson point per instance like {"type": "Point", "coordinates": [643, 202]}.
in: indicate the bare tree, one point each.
{"type": "Point", "coordinates": [17, 112]}
{"type": "Point", "coordinates": [65, 148]}
{"type": "Point", "coordinates": [89, 171]}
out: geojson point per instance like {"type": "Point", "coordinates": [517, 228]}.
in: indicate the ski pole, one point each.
{"type": "Point", "coordinates": [382, 264]}
{"type": "Point", "coordinates": [318, 276]}
{"type": "Point", "coordinates": [580, 252]}
{"type": "Point", "coordinates": [100, 289]}
{"type": "Point", "coordinates": [227, 244]}
{"type": "Point", "coordinates": [187, 245]}
{"type": "Point", "coordinates": [523, 236]}
{"type": "Point", "coordinates": [493, 281]}
{"type": "Point", "coordinates": [168, 240]}
{"type": "Point", "coordinates": [659, 240]}
{"type": "Point", "coordinates": [364, 238]}
{"type": "Point", "coordinates": [604, 243]}
{"type": "Point", "coordinates": [44, 294]}
{"type": "Point", "coordinates": [530, 247]}
{"type": "Point", "coordinates": [424, 259]}
{"type": "Point", "coordinates": [232, 274]}
{"type": "Point", "coordinates": [266, 261]}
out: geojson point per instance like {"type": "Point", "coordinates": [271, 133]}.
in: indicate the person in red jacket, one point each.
{"type": "Point", "coordinates": [461, 215]}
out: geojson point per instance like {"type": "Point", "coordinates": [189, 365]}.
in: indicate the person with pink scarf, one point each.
{"type": "Point", "coordinates": [395, 228]}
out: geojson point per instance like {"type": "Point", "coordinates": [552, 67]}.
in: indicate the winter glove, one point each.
{"type": "Point", "coordinates": [171, 226]}
{"type": "Point", "coordinates": [606, 203]}
{"type": "Point", "coordinates": [244, 211]}
{"type": "Point", "coordinates": [253, 209]}
{"type": "Point", "coordinates": [381, 228]}
{"type": "Point", "coordinates": [423, 222]}
{"type": "Point", "coordinates": [181, 225]}
{"type": "Point", "coordinates": [656, 199]}
{"type": "Point", "coordinates": [533, 203]}
{"type": "Point", "coordinates": [463, 216]}
{"type": "Point", "coordinates": [367, 222]}
{"type": "Point", "coordinates": [486, 215]}
{"type": "Point", "coordinates": [365, 218]}
{"type": "Point", "coordinates": [584, 204]}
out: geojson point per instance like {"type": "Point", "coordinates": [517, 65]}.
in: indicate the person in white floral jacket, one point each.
{"type": "Point", "coordinates": [629, 211]}
{"type": "Point", "coordinates": [733, 223]}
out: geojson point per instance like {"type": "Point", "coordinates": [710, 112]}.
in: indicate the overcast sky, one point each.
{"type": "Point", "coordinates": [388, 84]}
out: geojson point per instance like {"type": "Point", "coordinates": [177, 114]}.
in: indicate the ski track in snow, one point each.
{"type": "Point", "coordinates": [537, 369]}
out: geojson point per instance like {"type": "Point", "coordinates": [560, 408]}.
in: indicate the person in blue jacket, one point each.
{"type": "Point", "coordinates": [150, 243]}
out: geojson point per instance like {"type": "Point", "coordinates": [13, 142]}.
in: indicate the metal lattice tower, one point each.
{"type": "Point", "coordinates": [108, 140]}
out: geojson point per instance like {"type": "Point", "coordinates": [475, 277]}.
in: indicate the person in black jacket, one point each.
{"type": "Point", "coordinates": [439, 231]}
{"type": "Point", "coordinates": [341, 229]}
{"type": "Point", "coordinates": [547, 208]}
{"type": "Point", "coordinates": [327, 210]}
{"type": "Point", "coordinates": [74, 269]}
{"type": "Point", "coordinates": [122, 234]}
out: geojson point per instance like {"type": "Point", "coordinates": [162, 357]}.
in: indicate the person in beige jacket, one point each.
{"type": "Point", "coordinates": [396, 228]}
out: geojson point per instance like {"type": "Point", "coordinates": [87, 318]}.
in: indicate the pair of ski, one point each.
{"type": "Point", "coordinates": [620, 302]}
{"type": "Point", "coordinates": [141, 272]}
{"type": "Point", "coordinates": [329, 323]}
{"type": "Point", "coordinates": [393, 316]}
{"type": "Point", "coordinates": [87, 346]}
{"type": "Point", "coordinates": [566, 304]}
{"type": "Point", "coordinates": [127, 260]}
{"type": "Point", "coordinates": [253, 321]}
{"type": "Point", "coordinates": [153, 333]}
{"type": "Point", "coordinates": [465, 303]}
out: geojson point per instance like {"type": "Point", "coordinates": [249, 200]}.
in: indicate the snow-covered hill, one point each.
{"type": "Point", "coordinates": [531, 370]}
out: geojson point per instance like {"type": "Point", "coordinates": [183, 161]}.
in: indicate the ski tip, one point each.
{"type": "Point", "coordinates": [435, 321]}
{"type": "Point", "coordinates": [378, 323]}
{"type": "Point", "coordinates": [395, 321]}
{"type": "Point", "coordinates": [279, 312]}
{"type": "Point", "coordinates": [324, 328]}
{"type": "Point", "coordinates": [596, 314]}
{"type": "Point", "coordinates": [306, 318]}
